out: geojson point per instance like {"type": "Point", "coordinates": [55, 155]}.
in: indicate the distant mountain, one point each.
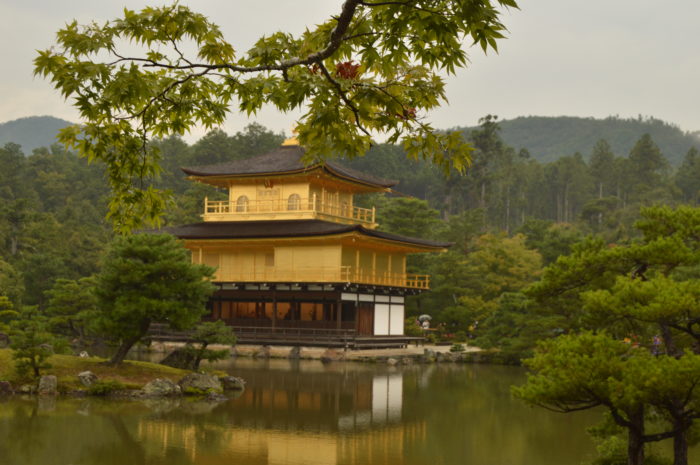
{"type": "Point", "coordinates": [32, 132]}
{"type": "Point", "coordinates": [548, 138]}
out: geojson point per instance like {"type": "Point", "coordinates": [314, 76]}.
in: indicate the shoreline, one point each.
{"type": "Point", "coordinates": [428, 353]}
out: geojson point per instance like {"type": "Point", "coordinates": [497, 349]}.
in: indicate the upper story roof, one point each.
{"type": "Point", "coordinates": [284, 160]}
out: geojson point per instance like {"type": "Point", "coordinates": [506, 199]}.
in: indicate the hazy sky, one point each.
{"type": "Point", "coordinates": [562, 57]}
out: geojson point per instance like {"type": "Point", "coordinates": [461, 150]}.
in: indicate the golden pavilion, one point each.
{"type": "Point", "coordinates": [297, 262]}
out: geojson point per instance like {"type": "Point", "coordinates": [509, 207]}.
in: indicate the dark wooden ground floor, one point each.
{"type": "Point", "coordinates": [341, 315]}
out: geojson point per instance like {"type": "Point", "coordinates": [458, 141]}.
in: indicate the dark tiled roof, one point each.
{"type": "Point", "coordinates": [284, 159]}
{"type": "Point", "coordinates": [286, 228]}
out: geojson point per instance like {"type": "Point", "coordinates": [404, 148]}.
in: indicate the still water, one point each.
{"type": "Point", "coordinates": [307, 413]}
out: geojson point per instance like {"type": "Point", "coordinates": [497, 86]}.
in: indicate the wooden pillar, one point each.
{"type": "Point", "coordinates": [338, 311]}
{"type": "Point", "coordinates": [274, 308]}
{"type": "Point", "coordinates": [374, 267]}
{"type": "Point", "coordinates": [357, 265]}
{"type": "Point", "coordinates": [390, 271]}
{"type": "Point", "coordinates": [200, 256]}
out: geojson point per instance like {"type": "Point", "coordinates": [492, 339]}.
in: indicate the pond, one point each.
{"type": "Point", "coordinates": [295, 413]}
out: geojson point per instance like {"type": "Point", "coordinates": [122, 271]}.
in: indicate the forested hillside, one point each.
{"type": "Point", "coordinates": [548, 138]}
{"type": "Point", "coordinates": [32, 132]}
{"type": "Point", "coordinates": [508, 217]}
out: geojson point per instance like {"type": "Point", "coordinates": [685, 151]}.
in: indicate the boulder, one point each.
{"type": "Point", "coordinates": [200, 384]}
{"type": "Point", "coordinates": [27, 389]}
{"type": "Point", "coordinates": [161, 387]}
{"type": "Point", "coordinates": [48, 385]}
{"type": "Point", "coordinates": [6, 388]}
{"type": "Point", "coordinates": [232, 383]}
{"type": "Point", "coordinates": [392, 361]}
{"type": "Point", "coordinates": [87, 378]}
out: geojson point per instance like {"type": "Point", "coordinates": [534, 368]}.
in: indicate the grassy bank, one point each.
{"type": "Point", "coordinates": [66, 368]}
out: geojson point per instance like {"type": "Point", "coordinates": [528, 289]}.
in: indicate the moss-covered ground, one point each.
{"type": "Point", "coordinates": [130, 373]}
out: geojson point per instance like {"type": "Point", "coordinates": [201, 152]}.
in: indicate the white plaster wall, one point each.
{"type": "Point", "coordinates": [381, 319]}
{"type": "Point", "coordinates": [397, 319]}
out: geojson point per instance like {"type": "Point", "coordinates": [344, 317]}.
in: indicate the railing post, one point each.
{"type": "Point", "coordinates": [374, 211]}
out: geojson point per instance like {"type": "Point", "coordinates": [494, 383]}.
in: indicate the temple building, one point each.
{"type": "Point", "coordinates": [297, 262]}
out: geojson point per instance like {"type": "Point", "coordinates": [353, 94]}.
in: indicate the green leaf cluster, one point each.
{"type": "Point", "coordinates": [127, 100]}
{"type": "Point", "coordinates": [148, 278]}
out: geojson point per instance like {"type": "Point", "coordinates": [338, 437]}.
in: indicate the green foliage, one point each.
{"type": "Point", "coordinates": [550, 239]}
{"type": "Point", "coordinates": [148, 278]}
{"type": "Point", "coordinates": [105, 387]}
{"type": "Point", "coordinates": [457, 348]}
{"type": "Point", "coordinates": [401, 50]}
{"type": "Point", "coordinates": [688, 175]}
{"type": "Point", "coordinates": [11, 284]}
{"type": "Point", "coordinates": [32, 343]}
{"type": "Point", "coordinates": [644, 293]}
{"type": "Point", "coordinates": [70, 306]}
{"type": "Point", "coordinates": [412, 327]}
{"type": "Point", "coordinates": [7, 314]}
{"type": "Point", "coordinates": [407, 216]}
{"type": "Point", "coordinates": [206, 333]}
{"type": "Point", "coordinates": [467, 288]}
{"type": "Point", "coordinates": [514, 328]}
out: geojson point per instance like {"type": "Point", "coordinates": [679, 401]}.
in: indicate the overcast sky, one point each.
{"type": "Point", "coordinates": [562, 57]}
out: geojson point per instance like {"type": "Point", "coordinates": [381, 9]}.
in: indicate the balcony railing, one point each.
{"type": "Point", "coordinates": [231, 210]}
{"type": "Point", "coordinates": [316, 274]}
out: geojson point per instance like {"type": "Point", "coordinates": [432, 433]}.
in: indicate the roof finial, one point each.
{"type": "Point", "coordinates": [292, 140]}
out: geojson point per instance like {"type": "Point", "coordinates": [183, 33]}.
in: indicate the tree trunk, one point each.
{"type": "Point", "coordinates": [635, 438]}
{"type": "Point", "coordinates": [129, 343]}
{"type": "Point", "coordinates": [198, 357]}
{"type": "Point", "coordinates": [508, 213]}
{"type": "Point", "coordinates": [566, 203]}
{"type": "Point", "coordinates": [680, 446]}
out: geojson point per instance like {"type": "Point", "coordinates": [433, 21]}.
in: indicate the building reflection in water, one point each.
{"type": "Point", "coordinates": [288, 416]}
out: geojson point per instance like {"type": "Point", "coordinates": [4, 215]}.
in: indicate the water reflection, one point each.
{"type": "Point", "coordinates": [305, 413]}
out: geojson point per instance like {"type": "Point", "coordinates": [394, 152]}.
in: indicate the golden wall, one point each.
{"type": "Point", "coordinates": [313, 262]}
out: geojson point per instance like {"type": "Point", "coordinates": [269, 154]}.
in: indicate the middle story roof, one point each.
{"type": "Point", "coordinates": [279, 229]}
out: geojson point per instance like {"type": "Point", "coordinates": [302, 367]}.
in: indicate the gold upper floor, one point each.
{"type": "Point", "coordinates": [306, 197]}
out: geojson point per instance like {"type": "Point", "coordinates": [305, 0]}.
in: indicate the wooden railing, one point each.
{"type": "Point", "coordinates": [220, 210]}
{"type": "Point", "coordinates": [320, 274]}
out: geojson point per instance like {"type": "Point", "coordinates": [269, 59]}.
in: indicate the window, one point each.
{"type": "Point", "coordinates": [242, 204]}
{"type": "Point", "coordinates": [294, 202]}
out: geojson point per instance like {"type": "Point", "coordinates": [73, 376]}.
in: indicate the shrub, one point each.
{"type": "Point", "coordinates": [105, 387]}
{"type": "Point", "coordinates": [457, 348]}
